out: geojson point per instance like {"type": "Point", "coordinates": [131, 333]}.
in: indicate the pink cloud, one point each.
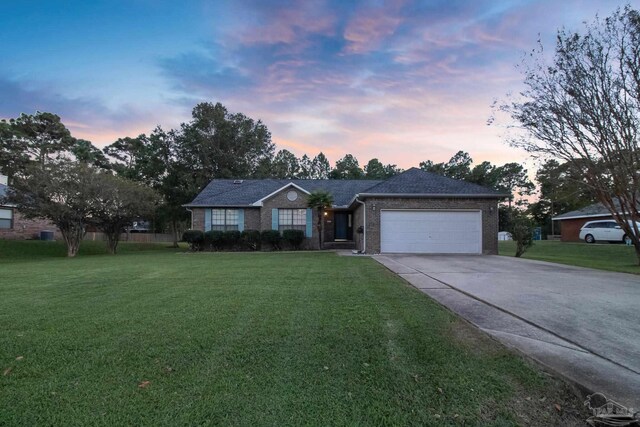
{"type": "Point", "coordinates": [289, 26]}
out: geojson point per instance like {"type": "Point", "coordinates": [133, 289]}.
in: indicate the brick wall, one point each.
{"type": "Point", "coordinates": [280, 201]}
{"type": "Point", "coordinates": [488, 207]}
{"type": "Point", "coordinates": [252, 219]}
{"type": "Point", "coordinates": [197, 218]}
{"type": "Point", "coordinates": [27, 228]}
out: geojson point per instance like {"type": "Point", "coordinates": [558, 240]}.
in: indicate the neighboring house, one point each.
{"type": "Point", "coordinates": [414, 212]}
{"type": "Point", "coordinates": [15, 226]}
{"type": "Point", "coordinates": [572, 222]}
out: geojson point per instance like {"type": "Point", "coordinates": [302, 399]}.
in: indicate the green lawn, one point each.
{"type": "Point", "coordinates": [613, 257]}
{"type": "Point", "coordinates": [170, 338]}
{"type": "Point", "coordinates": [29, 250]}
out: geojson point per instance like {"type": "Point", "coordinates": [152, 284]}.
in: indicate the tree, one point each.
{"type": "Point", "coordinates": [584, 109]}
{"type": "Point", "coordinates": [316, 168]}
{"type": "Point", "coordinates": [347, 168]}
{"type": "Point", "coordinates": [285, 165]}
{"type": "Point", "coordinates": [61, 191]}
{"type": "Point", "coordinates": [154, 161]}
{"type": "Point", "coordinates": [484, 174]}
{"type": "Point", "coordinates": [320, 167]}
{"type": "Point", "coordinates": [220, 144]}
{"type": "Point", "coordinates": [561, 189]}
{"type": "Point", "coordinates": [458, 166]}
{"type": "Point", "coordinates": [521, 230]}
{"type": "Point", "coordinates": [376, 170]}
{"type": "Point", "coordinates": [130, 155]}
{"type": "Point", "coordinates": [85, 152]}
{"type": "Point", "coordinates": [117, 203]}
{"type": "Point", "coordinates": [320, 200]}
{"type": "Point", "coordinates": [512, 178]}
{"type": "Point", "coordinates": [38, 138]}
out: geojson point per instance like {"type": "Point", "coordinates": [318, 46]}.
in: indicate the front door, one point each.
{"type": "Point", "coordinates": [343, 226]}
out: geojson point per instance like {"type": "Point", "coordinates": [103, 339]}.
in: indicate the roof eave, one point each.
{"type": "Point", "coordinates": [434, 195]}
{"type": "Point", "coordinates": [560, 217]}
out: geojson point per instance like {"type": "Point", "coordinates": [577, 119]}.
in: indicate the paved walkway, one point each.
{"type": "Point", "coordinates": [582, 323]}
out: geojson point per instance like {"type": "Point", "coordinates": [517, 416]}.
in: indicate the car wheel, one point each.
{"type": "Point", "coordinates": [589, 238]}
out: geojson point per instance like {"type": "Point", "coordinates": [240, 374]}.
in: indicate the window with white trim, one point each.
{"type": "Point", "coordinates": [6, 219]}
{"type": "Point", "coordinates": [224, 219]}
{"type": "Point", "coordinates": [292, 219]}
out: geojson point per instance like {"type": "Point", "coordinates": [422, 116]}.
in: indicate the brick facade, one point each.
{"type": "Point", "coordinates": [197, 219]}
{"type": "Point", "coordinates": [23, 229]}
{"type": "Point", "coordinates": [488, 207]}
{"type": "Point", "coordinates": [280, 201]}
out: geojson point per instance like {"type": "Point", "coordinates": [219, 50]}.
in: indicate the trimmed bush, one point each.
{"type": "Point", "coordinates": [231, 238]}
{"type": "Point", "coordinates": [195, 239]}
{"type": "Point", "coordinates": [251, 239]}
{"type": "Point", "coordinates": [214, 239]}
{"type": "Point", "coordinates": [293, 237]}
{"type": "Point", "coordinates": [272, 237]}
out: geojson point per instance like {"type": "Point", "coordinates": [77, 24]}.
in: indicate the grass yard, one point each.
{"type": "Point", "coordinates": [612, 257]}
{"type": "Point", "coordinates": [168, 338]}
{"type": "Point", "coordinates": [30, 250]}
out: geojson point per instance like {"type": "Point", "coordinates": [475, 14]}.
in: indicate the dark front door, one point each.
{"type": "Point", "coordinates": [343, 225]}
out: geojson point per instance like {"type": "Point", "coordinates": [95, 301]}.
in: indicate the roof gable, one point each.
{"type": "Point", "coordinates": [284, 187]}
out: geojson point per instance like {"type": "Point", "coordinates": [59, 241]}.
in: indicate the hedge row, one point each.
{"type": "Point", "coordinates": [251, 240]}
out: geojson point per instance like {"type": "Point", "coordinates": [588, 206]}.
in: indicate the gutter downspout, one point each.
{"type": "Point", "coordinates": [364, 227]}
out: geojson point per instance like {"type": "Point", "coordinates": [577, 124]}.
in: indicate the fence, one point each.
{"type": "Point", "coordinates": [133, 237]}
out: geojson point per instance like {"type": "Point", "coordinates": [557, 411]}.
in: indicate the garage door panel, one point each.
{"type": "Point", "coordinates": [415, 231]}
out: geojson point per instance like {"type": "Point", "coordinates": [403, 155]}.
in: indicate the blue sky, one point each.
{"type": "Point", "coordinates": [402, 81]}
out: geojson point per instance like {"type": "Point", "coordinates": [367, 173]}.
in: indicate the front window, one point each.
{"type": "Point", "coordinates": [6, 218]}
{"type": "Point", "coordinates": [292, 219]}
{"type": "Point", "coordinates": [224, 219]}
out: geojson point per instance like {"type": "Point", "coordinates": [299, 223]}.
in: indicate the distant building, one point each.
{"type": "Point", "coordinates": [13, 225]}
{"type": "Point", "coordinates": [572, 222]}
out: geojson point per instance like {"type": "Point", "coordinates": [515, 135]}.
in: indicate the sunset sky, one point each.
{"type": "Point", "coordinates": [403, 81]}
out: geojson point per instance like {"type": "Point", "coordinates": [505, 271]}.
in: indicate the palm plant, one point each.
{"type": "Point", "coordinates": [320, 200]}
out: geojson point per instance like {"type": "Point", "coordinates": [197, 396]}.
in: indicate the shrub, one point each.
{"type": "Point", "coordinates": [195, 239]}
{"type": "Point", "coordinates": [214, 239]}
{"type": "Point", "coordinates": [293, 237]}
{"type": "Point", "coordinates": [521, 229]}
{"type": "Point", "coordinates": [271, 236]}
{"type": "Point", "coordinates": [251, 239]}
{"type": "Point", "coordinates": [231, 238]}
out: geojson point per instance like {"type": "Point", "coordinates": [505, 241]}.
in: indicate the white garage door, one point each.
{"type": "Point", "coordinates": [435, 232]}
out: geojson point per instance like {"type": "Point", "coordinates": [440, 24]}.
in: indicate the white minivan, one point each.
{"type": "Point", "coordinates": [608, 231]}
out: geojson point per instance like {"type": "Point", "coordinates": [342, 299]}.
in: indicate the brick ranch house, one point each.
{"type": "Point", "coordinates": [15, 226]}
{"type": "Point", "coordinates": [413, 212]}
{"type": "Point", "coordinates": [572, 222]}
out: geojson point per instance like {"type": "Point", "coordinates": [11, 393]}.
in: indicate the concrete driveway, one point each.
{"type": "Point", "coordinates": [582, 323]}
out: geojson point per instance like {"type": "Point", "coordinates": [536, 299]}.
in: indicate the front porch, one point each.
{"type": "Point", "coordinates": [338, 229]}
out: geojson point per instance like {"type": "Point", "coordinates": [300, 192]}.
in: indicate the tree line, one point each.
{"type": "Point", "coordinates": [75, 184]}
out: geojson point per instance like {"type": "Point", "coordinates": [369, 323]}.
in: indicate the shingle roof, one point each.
{"type": "Point", "coordinates": [417, 181]}
{"type": "Point", "coordinates": [229, 192]}
{"type": "Point", "coordinates": [595, 210]}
